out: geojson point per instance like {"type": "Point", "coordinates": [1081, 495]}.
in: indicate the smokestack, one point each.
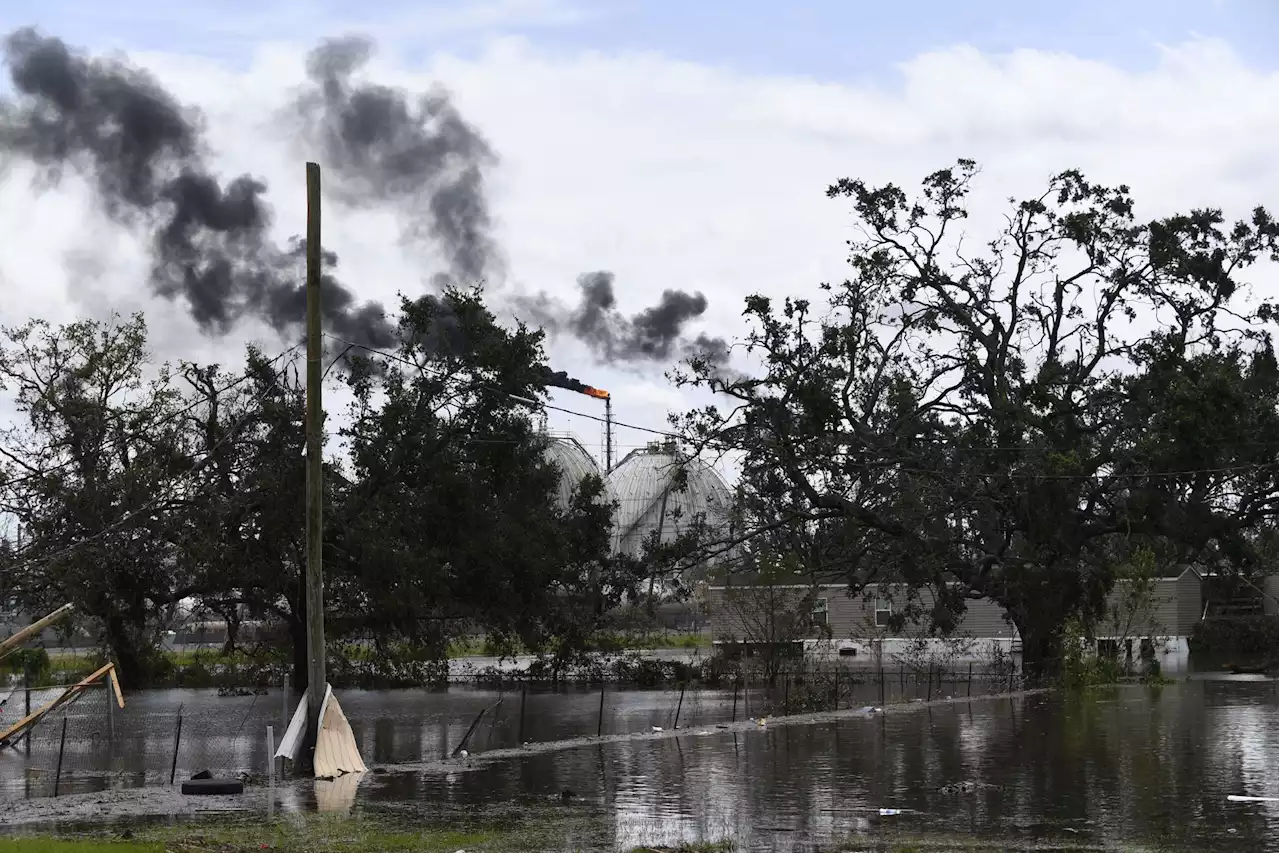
{"type": "Point", "coordinates": [560, 379]}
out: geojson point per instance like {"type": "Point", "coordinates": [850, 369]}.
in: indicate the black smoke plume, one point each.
{"type": "Point", "coordinates": [143, 152]}
{"type": "Point", "coordinates": [385, 146]}
{"type": "Point", "coordinates": [655, 334]}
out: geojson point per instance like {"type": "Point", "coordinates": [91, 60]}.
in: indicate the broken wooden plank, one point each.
{"type": "Point", "coordinates": [12, 643]}
{"type": "Point", "coordinates": [66, 697]}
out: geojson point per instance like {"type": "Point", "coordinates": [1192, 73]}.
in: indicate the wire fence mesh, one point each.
{"type": "Point", "coordinates": [163, 737]}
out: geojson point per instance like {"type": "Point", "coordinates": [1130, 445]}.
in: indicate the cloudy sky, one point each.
{"type": "Point", "coordinates": [678, 145]}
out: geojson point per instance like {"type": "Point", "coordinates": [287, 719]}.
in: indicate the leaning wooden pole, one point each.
{"type": "Point", "coordinates": [315, 469]}
{"type": "Point", "coordinates": [13, 642]}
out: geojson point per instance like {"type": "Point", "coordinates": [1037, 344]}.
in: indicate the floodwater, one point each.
{"type": "Point", "coordinates": [1138, 765]}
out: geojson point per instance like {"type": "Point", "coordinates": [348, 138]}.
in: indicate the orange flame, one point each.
{"type": "Point", "coordinates": [598, 393]}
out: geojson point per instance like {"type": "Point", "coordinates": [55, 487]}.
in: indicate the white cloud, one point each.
{"type": "Point", "coordinates": [673, 174]}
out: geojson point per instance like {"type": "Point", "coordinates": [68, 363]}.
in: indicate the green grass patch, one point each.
{"type": "Point", "coordinates": [302, 834]}
{"type": "Point", "coordinates": [42, 844]}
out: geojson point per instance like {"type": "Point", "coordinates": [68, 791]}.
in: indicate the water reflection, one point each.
{"type": "Point", "coordinates": [1136, 764]}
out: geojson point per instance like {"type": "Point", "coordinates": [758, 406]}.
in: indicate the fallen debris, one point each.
{"type": "Point", "coordinates": [336, 752]}
{"type": "Point", "coordinates": [23, 727]}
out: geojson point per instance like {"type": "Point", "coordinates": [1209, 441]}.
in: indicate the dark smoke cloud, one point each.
{"type": "Point", "coordinates": [384, 146]}
{"type": "Point", "coordinates": [655, 334]}
{"type": "Point", "coordinates": [143, 152]}
{"type": "Point", "coordinates": [145, 155]}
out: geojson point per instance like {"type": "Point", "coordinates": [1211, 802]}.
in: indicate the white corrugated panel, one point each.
{"type": "Point", "coordinates": [336, 751]}
{"type": "Point", "coordinates": [295, 734]}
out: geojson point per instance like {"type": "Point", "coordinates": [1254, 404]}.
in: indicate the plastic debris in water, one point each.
{"type": "Point", "coordinates": [656, 729]}
{"type": "Point", "coordinates": [890, 812]}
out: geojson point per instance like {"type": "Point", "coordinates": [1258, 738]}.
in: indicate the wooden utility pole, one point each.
{"type": "Point", "coordinates": [316, 681]}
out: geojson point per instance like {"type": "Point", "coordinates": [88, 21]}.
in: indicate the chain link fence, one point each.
{"type": "Point", "coordinates": [165, 736]}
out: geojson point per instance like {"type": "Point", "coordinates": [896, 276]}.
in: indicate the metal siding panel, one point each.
{"type": "Point", "coordinates": [1188, 592]}
{"type": "Point", "coordinates": [1271, 586]}
{"type": "Point", "coordinates": [984, 619]}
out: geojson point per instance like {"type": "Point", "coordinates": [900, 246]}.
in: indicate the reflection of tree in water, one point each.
{"type": "Point", "coordinates": [1138, 764]}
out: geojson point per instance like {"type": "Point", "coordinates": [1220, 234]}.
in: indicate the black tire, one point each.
{"type": "Point", "coordinates": [212, 786]}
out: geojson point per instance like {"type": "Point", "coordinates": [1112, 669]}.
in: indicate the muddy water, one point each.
{"type": "Point", "coordinates": [1137, 765]}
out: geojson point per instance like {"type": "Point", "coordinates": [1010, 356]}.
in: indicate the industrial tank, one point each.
{"type": "Point", "coordinates": [574, 462]}
{"type": "Point", "coordinates": [651, 498]}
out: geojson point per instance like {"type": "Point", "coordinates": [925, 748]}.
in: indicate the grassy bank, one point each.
{"type": "Point", "coordinates": [314, 833]}
{"type": "Point", "coordinates": [322, 834]}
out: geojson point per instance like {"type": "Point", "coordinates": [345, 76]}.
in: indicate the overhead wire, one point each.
{"type": "Point", "coordinates": [719, 444]}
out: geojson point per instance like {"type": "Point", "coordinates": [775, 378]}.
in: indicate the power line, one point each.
{"type": "Point", "coordinates": [529, 401]}
{"type": "Point", "coordinates": [885, 464]}
{"type": "Point", "coordinates": [720, 444]}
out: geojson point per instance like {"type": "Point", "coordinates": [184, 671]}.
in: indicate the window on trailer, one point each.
{"type": "Point", "coordinates": [884, 611]}
{"type": "Point", "coordinates": [819, 614]}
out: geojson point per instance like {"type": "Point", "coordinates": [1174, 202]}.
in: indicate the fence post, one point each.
{"type": "Point", "coordinates": [26, 692]}
{"type": "Point", "coordinates": [881, 685]}
{"type": "Point", "coordinates": [271, 755]}
{"type": "Point", "coordinates": [62, 745]}
{"type": "Point", "coordinates": [968, 691]}
{"type": "Point", "coordinates": [111, 713]}
{"type": "Point", "coordinates": [786, 695]}
{"type": "Point", "coordinates": [929, 694]}
{"type": "Point", "coordinates": [600, 716]}
{"type": "Point", "coordinates": [679, 705]}
{"type": "Point", "coordinates": [520, 735]}
{"type": "Point", "coordinates": [177, 739]}
{"type": "Point", "coordinates": [902, 677]}
{"type": "Point", "coordinates": [736, 685]}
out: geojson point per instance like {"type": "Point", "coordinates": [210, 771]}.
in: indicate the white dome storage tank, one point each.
{"type": "Point", "coordinates": [646, 485]}
{"type": "Point", "coordinates": [567, 453]}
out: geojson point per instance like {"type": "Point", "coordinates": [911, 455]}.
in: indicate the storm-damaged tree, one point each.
{"type": "Point", "coordinates": [991, 417]}
{"type": "Point", "coordinates": [449, 522]}
{"type": "Point", "coordinates": [247, 546]}
{"type": "Point", "coordinates": [94, 470]}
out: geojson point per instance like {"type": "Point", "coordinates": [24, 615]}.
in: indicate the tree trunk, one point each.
{"type": "Point", "coordinates": [1041, 647]}
{"type": "Point", "coordinates": [231, 618]}
{"type": "Point", "coordinates": [134, 662]}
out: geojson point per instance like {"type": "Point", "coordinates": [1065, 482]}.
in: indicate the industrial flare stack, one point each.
{"type": "Point", "coordinates": [560, 379]}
